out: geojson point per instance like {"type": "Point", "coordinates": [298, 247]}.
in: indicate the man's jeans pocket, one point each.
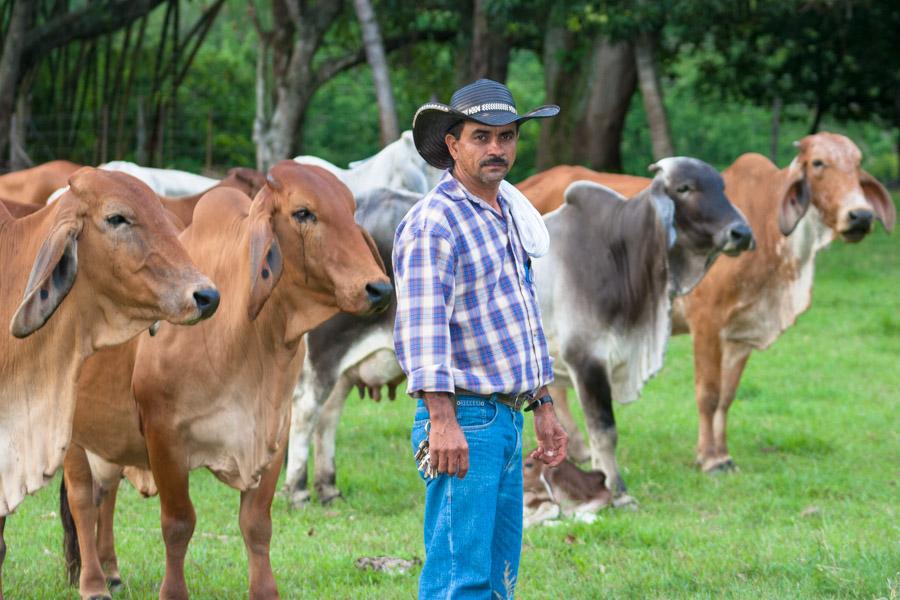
{"type": "Point", "coordinates": [474, 414]}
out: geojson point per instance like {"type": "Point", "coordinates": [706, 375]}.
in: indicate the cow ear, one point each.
{"type": "Point", "coordinates": [266, 262]}
{"type": "Point", "coordinates": [52, 274]}
{"type": "Point", "coordinates": [879, 198]}
{"type": "Point", "coordinates": [372, 248]}
{"type": "Point", "coordinates": [795, 201]}
{"type": "Point", "coordinates": [665, 209]}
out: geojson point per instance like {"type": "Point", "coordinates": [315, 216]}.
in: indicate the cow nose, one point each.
{"type": "Point", "coordinates": [207, 301]}
{"type": "Point", "coordinates": [380, 294]}
{"type": "Point", "coordinates": [860, 220]}
{"type": "Point", "coordinates": [740, 238]}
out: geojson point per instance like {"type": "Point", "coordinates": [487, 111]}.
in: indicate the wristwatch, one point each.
{"type": "Point", "coordinates": [537, 402]}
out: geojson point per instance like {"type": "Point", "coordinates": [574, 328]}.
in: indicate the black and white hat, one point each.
{"type": "Point", "coordinates": [484, 101]}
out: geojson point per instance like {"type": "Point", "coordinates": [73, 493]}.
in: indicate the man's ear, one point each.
{"type": "Point", "coordinates": [53, 272]}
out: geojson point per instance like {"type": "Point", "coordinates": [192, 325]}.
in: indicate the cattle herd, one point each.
{"type": "Point", "coordinates": [160, 321]}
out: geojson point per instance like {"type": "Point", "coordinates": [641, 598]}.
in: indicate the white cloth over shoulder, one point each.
{"type": "Point", "coordinates": [529, 222]}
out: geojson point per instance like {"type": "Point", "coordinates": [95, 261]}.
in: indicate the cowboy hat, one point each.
{"type": "Point", "coordinates": [484, 101]}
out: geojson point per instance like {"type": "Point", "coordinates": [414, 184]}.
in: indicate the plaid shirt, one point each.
{"type": "Point", "coordinates": [467, 308]}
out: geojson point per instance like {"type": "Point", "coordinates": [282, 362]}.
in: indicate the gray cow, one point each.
{"type": "Point", "coordinates": [344, 352]}
{"type": "Point", "coordinates": [605, 287]}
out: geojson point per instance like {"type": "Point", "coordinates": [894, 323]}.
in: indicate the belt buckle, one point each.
{"type": "Point", "coordinates": [523, 399]}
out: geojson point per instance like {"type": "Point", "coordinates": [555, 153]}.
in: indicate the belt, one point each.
{"type": "Point", "coordinates": [514, 401]}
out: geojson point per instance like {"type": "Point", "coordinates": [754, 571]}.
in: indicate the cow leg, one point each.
{"type": "Point", "coordinates": [2, 553]}
{"type": "Point", "coordinates": [734, 359]}
{"type": "Point", "coordinates": [707, 385]}
{"type": "Point", "coordinates": [170, 471]}
{"type": "Point", "coordinates": [578, 449]}
{"type": "Point", "coordinates": [83, 503]}
{"type": "Point", "coordinates": [592, 387]}
{"type": "Point", "coordinates": [308, 401]}
{"type": "Point", "coordinates": [256, 527]}
{"type": "Point", "coordinates": [326, 433]}
{"type": "Point", "coordinates": [106, 543]}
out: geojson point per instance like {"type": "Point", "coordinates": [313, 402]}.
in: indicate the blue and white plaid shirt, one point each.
{"type": "Point", "coordinates": [467, 308]}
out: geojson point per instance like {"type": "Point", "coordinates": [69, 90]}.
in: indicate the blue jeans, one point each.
{"type": "Point", "coordinates": [473, 526]}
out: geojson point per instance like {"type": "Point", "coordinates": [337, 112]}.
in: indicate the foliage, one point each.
{"type": "Point", "coordinates": [812, 513]}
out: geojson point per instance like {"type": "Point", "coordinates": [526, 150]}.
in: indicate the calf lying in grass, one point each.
{"type": "Point", "coordinates": [566, 490]}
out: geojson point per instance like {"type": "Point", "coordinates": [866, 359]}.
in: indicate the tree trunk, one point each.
{"type": "Point", "coordinates": [651, 93]}
{"type": "Point", "coordinates": [593, 95]}
{"type": "Point", "coordinates": [18, 156]}
{"type": "Point", "coordinates": [776, 126]}
{"type": "Point", "coordinates": [375, 54]}
{"type": "Point", "coordinates": [11, 65]}
{"type": "Point", "coordinates": [489, 53]}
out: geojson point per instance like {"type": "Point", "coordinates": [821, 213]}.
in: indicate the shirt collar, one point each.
{"type": "Point", "coordinates": [455, 190]}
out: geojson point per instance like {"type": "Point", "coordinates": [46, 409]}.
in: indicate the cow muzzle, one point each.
{"type": "Point", "coordinates": [379, 294]}
{"type": "Point", "coordinates": [858, 225]}
{"type": "Point", "coordinates": [737, 238]}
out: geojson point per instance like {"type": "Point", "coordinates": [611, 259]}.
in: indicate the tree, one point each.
{"type": "Point", "coordinates": [376, 57]}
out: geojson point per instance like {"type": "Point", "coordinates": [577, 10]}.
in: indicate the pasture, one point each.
{"type": "Point", "coordinates": [812, 512]}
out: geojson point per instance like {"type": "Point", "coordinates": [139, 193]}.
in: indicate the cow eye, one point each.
{"type": "Point", "coordinates": [818, 163]}
{"type": "Point", "coordinates": [304, 215]}
{"type": "Point", "coordinates": [116, 220]}
{"type": "Point", "coordinates": [683, 189]}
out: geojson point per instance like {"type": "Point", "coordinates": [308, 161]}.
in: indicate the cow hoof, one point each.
{"type": "Point", "coordinates": [326, 498]}
{"type": "Point", "coordinates": [625, 501]}
{"type": "Point", "coordinates": [299, 499]}
{"type": "Point", "coordinates": [114, 584]}
{"type": "Point", "coordinates": [718, 466]}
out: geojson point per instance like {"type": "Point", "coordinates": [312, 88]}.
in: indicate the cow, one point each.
{"type": "Point", "coordinates": [746, 303]}
{"type": "Point", "coordinates": [344, 352]}
{"type": "Point", "coordinates": [605, 286]}
{"type": "Point", "coordinates": [397, 166]}
{"type": "Point", "coordinates": [564, 490]}
{"type": "Point", "coordinates": [165, 182]}
{"type": "Point", "coordinates": [20, 209]}
{"type": "Point", "coordinates": [221, 398]}
{"type": "Point", "coordinates": [248, 181]}
{"type": "Point", "coordinates": [545, 189]}
{"type": "Point", "coordinates": [34, 185]}
{"type": "Point", "coordinates": [90, 271]}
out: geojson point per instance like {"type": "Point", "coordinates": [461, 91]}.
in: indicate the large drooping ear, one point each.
{"type": "Point", "coordinates": [795, 197]}
{"type": "Point", "coordinates": [373, 248]}
{"type": "Point", "coordinates": [266, 261]}
{"type": "Point", "coordinates": [52, 274]}
{"type": "Point", "coordinates": [665, 206]}
{"type": "Point", "coordinates": [878, 197]}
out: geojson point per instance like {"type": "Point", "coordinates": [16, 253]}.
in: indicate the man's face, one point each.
{"type": "Point", "coordinates": [484, 153]}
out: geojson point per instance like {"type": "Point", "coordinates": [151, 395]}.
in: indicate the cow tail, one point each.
{"type": "Point", "coordinates": [70, 535]}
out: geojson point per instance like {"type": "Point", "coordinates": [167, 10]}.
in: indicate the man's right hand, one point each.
{"type": "Point", "coordinates": [446, 441]}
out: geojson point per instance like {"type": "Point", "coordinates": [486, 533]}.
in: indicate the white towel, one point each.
{"type": "Point", "coordinates": [529, 222]}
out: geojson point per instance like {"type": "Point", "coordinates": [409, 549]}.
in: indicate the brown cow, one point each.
{"type": "Point", "coordinates": [565, 490]}
{"type": "Point", "coordinates": [745, 303]}
{"type": "Point", "coordinates": [248, 181]}
{"type": "Point", "coordinates": [546, 189]}
{"type": "Point", "coordinates": [34, 185]}
{"type": "Point", "coordinates": [90, 271]}
{"type": "Point", "coordinates": [20, 209]}
{"type": "Point", "coordinates": [221, 399]}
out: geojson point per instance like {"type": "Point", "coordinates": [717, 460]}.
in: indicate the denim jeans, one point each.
{"type": "Point", "coordinates": [473, 526]}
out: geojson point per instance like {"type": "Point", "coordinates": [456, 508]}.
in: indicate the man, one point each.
{"type": "Point", "coordinates": [468, 335]}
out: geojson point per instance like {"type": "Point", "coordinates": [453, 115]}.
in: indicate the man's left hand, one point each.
{"type": "Point", "coordinates": [553, 441]}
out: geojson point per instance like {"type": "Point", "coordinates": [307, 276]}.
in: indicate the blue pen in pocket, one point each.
{"type": "Point", "coordinates": [529, 272]}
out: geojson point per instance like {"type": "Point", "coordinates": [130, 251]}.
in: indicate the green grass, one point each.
{"type": "Point", "coordinates": [815, 425]}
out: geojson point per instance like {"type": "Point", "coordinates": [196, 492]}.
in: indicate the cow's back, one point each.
{"type": "Point", "coordinates": [546, 189]}
{"type": "Point", "coordinates": [35, 185]}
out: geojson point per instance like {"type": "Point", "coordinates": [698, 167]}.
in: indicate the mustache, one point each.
{"type": "Point", "coordinates": [494, 160]}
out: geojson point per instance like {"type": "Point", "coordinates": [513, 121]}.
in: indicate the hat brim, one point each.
{"type": "Point", "coordinates": [433, 120]}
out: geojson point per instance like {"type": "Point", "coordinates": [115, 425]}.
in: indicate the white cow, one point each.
{"type": "Point", "coordinates": [165, 182]}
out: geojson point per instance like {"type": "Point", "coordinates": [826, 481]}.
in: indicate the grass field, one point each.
{"type": "Point", "coordinates": [812, 513]}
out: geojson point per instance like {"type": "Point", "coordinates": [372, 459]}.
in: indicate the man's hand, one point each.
{"type": "Point", "coordinates": [553, 441]}
{"type": "Point", "coordinates": [446, 441]}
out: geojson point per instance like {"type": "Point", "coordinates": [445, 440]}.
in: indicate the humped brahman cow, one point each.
{"type": "Point", "coordinates": [345, 352]}
{"type": "Point", "coordinates": [605, 287]}
{"type": "Point", "coordinates": [34, 185]}
{"type": "Point", "coordinates": [220, 397]}
{"type": "Point", "coordinates": [90, 271]}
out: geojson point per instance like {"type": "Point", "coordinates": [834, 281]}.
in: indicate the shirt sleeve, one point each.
{"type": "Point", "coordinates": [424, 276]}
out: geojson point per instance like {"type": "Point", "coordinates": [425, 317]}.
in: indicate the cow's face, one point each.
{"type": "Point", "coordinates": [333, 259]}
{"type": "Point", "coordinates": [112, 232]}
{"type": "Point", "coordinates": [704, 222]}
{"type": "Point", "coordinates": [826, 173]}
